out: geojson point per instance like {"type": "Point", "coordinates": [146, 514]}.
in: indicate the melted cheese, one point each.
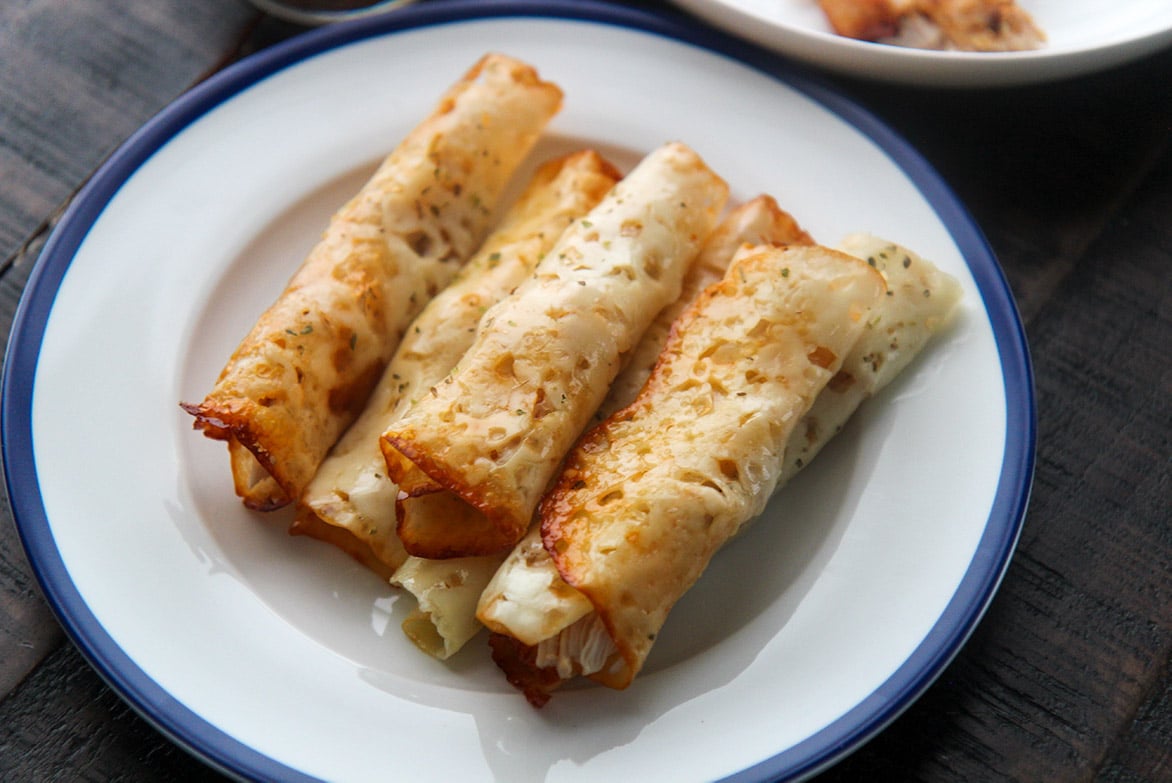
{"type": "Point", "coordinates": [919, 301]}
{"type": "Point", "coordinates": [446, 591]}
{"type": "Point", "coordinates": [527, 598]}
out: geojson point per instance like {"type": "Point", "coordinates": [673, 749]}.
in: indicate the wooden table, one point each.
{"type": "Point", "coordinates": [1068, 676]}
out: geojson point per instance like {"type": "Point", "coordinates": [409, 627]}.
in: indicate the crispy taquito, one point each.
{"type": "Point", "coordinates": [964, 25]}
{"type": "Point", "coordinates": [305, 370]}
{"type": "Point", "coordinates": [648, 496]}
{"type": "Point", "coordinates": [548, 631]}
{"type": "Point", "coordinates": [493, 433]}
{"type": "Point", "coordinates": [351, 502]}
{"type": "Point", "coordinates": [449, 591]}
{"type": "Point", "coordinates": [527, 598]}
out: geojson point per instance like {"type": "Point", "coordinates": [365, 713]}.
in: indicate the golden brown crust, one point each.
{"type": "Point", "coordinates": [441, 525]}
{"type": "Point", "coordinates": [305, 370]}
{"type": "Point", "coordinates": [527, 599]}
{"type": "Point", "coordinates": [251, 480]}
{"type": "Point", "coordinates": [411, 480]}
{"type": "Point", "coordinates": [648, 496]}
{"type": "Point", "coordinates": [351, 488]}
{"type": "Point", "coordinates": [866, 20]}
{"type": "Point", "coordinates": [759, 221]}
{"type": "Point", "coordinates": [984, 25]}
{"type": "Point", "coordinates": [496, 428]}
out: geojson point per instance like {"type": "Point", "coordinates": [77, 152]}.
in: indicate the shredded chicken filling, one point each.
{"type": "Point", "coordinates": [581, 649]}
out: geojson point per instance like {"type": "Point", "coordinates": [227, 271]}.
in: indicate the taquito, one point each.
{"type": "Point", "coordinates": [495, 430]}
{"type": "Point", "coordinates": [526, 597]}
{"type": "Point", "coordinates": [648, 496]}
{"type": "Point", "coordinates": [546, 631]}
{"type": "Point", "coordinates": [963, 25]}
{"type": "Point", "coordinates": [305, 370]}
{"type": "Point", "coordinates": [351, 502]}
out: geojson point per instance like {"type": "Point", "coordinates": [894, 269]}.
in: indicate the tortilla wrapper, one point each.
{"type": "Point", "coordinates": [527, 598]}
{"type": "Point", "coordinates": [251, 481]}
{"type": "Point", "coordinates": [351, 495]}
{"type": "Point", "coordinates": [759, 221]}
{"type": "Point", "coordinates": [920, 301]}
{"type": "Point", "coordinates": [867, 20]}
{"type": "Point", "coordinates": [304, 372]}
{"type": "Point", "coordinates": [649, 496]}
{"type": "Point", "coordinates": [983, 25]}
{"type": "Point", "coordinates": [518, 661]}
{"type": "Point", "coordinates": [495, 430]}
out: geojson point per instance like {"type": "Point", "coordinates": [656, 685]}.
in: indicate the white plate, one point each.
{"type": "Point", "coordinates": [1082, 36]}
{"type": "Point", "coordinates": [277, 657]}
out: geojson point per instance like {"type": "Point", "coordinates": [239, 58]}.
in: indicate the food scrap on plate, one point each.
{"type": "Point", "coordinates": [962, 25]}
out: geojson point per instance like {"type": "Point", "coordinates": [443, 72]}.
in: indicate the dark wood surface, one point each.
{"type": "Point", "coordinates": [1066, 678]}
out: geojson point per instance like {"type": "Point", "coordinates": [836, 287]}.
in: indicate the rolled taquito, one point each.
{"type": "Point", "coordinates": [449, 591]}
{"type": "Point", "coordinates": [526, 597]}
{"type": "Point", "coordinates": [648, 496]}
{"type": "Point", "coordinates": [495, 430]}
{"type": "Point", "coordinates": [350, 501]}
{"type": "Point", "coordinates": [305, 370]}
{"type": "Point", "coordinates": [547, 631]}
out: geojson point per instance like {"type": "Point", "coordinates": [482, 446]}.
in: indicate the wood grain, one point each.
{"type": "Point", "coordinates": [89, 73]}
{"type": "Point", "coordinates": [28, 630]}
{"type": "Point", "coordinates": [84, 732]}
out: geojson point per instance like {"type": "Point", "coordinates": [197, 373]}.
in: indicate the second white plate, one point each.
{"type": "Point", "coordinates": [1083, 36]}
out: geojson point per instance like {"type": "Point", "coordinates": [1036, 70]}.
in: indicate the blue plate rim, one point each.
{"type": "Point", "coordinates": [233, 757]}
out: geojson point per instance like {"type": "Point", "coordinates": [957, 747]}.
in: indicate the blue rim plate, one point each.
{"type": "Point", "coordinates": [276, 658]}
